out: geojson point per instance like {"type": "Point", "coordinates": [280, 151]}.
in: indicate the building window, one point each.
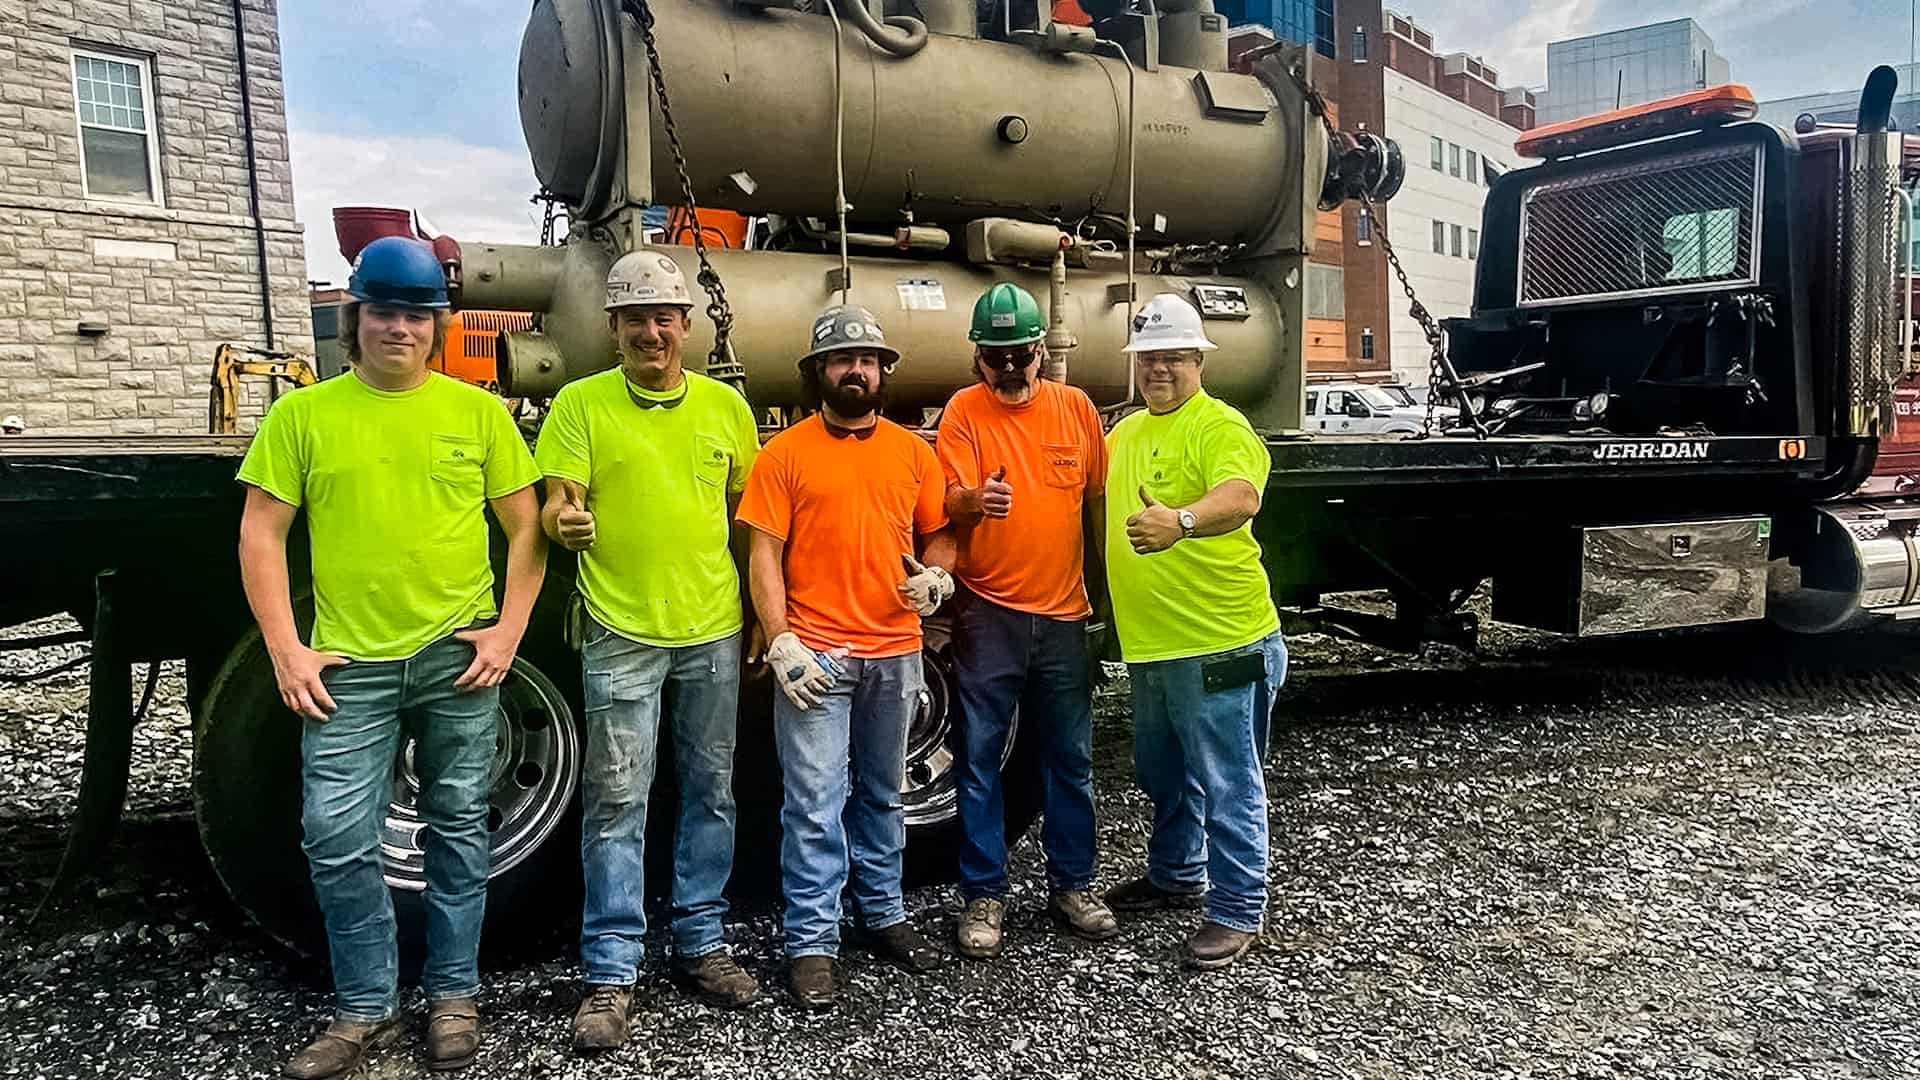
{"type": "Point", "coordinates": [1439, 238]}
{"type": "Point", "coordinates": [1453, 159]}
{"type": "Point", "coordinates": [120, 157]}
{"type": "Point", "coordinates": [1438, 150]}
{"type": "Point", "coordinates": [1326, 292]}
{"type": "Point", "coordinates": [1473, 167]}
{"type": "Point", "coordinates": [1363, 227]}
{"type": "Point", "coordinates": [1473, 243]}
{"type": "Point", "coordinates": [1359, 46]}
{"type": "Point", "coordinates": [1456, 240]}
{"type": "Point", "coordinates": [1323, 31]}
{"type": "Point", "coordinates": [1366, 343]}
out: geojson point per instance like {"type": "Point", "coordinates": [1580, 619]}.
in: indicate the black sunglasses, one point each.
{"type": "Point", "coordinates": [1008, 359]}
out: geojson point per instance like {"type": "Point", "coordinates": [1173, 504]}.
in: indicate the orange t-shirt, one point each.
{"type": "Point", "coordinates": [1032, 560]}
{"type": "Point", "coordinates": [848, 505]}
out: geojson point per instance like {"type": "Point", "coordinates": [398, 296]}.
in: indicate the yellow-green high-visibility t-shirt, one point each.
{"type": "Point", "coordinates": [1205, 594]}
{"type": "Point", "coordinates": [658, 470]}
{"type": "Point", "coordinates": [395, 486]}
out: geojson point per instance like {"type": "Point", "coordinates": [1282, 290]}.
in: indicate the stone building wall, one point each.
{"type": "Point", "coordinates": [158, 284]}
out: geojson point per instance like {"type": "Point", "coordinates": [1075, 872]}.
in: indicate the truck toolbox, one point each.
{"type": "Point", "coordinates": [1617, 579]}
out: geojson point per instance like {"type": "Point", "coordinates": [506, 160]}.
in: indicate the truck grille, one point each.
{"type": "Point", "coordinates": [1674, 225]}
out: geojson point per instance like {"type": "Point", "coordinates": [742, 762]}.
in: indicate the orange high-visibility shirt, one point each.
{"type": "Point", "coordinates": [848, 506]}
{"type": "Point", "coordinates": [1032, 560]}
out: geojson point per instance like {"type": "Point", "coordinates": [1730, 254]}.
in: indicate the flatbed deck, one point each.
{"type": "Point", "coordinates": [1317, 460]}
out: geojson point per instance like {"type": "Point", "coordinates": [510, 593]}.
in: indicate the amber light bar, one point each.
{"type": "Point", "coordinates": [1691, 111]}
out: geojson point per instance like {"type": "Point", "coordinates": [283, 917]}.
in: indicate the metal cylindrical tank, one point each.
{"type": "Point", "coordinates": [924, 306]}
{"type": "Point", "coordinates": [752, 97]}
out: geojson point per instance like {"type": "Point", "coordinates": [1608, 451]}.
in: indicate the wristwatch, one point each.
{"type": "Point", "coordinates": [1187, 523]}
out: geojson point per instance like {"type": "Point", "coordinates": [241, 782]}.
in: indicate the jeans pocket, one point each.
{"type": "Point", "coordinates": [597, 692]}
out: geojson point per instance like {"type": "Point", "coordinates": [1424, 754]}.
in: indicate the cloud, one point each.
{"type": "Point", "coordinates": [468, 192]}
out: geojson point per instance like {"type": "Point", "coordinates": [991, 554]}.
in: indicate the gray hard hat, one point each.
{"type": "Point", "coordinates": [848, 326]}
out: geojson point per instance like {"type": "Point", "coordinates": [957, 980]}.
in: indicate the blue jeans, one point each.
{"type": "Point", "coordinates": [844, 764]}
{"type": "Point", "coordinates": [1199, 755]}
{"type": "Point", "coordinates": [346, 768]}
{"type": "Point", "coordinates": [1003, 658]}
{"type": "Point", "coordinates": [627, 684]}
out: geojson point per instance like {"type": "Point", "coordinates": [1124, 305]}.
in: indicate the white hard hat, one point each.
{"type": "Point", "coordinates": [13, 423]}
{"type": "Point", "coordinates": [1168, 323]}
{"type": "Point", "coordinates": [639, 278]}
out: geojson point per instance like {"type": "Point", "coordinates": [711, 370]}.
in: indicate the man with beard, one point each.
{"type": "Point", "coordinates": [835, 503]}
{"type": "Point", "coordinates": [1025, 469]}
{"type": "Point", "coordinates": [659, 455]}
{"type": "Point", "coordinates": [1199, 633]}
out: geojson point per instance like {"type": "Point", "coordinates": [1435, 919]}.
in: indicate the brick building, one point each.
{"type": "Point", "coordinates": [130, 242]}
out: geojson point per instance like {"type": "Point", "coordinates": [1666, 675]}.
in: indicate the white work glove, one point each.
{"type": "Point", "coordinates": [926, 587]}
{"type": "Point", "coordinates": [804, 675]}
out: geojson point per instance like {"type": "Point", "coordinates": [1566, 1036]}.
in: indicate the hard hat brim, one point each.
{"type": "Point", "coordinates": [1199, 344]}
{"type": "Point", "coordinates": [364, 297]}
{"type": "Point", "coordinates": [892, 354]}
{"type": "Point", "coordinates": [685, 305]}
{"type": "Point", "coordinates": [981, 339]}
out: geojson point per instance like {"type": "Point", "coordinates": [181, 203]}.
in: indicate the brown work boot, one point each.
{"type": "Point", "coordinates": [717, 980]}
{"type": "Point", "coordinates": [978, 933]}
{"type": "Point", "coordinates": [603, 1020]}
{"type": "Point", "coordinates": [1083, 914]}
{"type": "Point", "coordinates": [1213, 947]}
{"type": "Point", "coordinates": [1141, 894]}
{"type": "Point", "coordinates": [810, 981]}
{"type": "Point", "coordinates": [453, 1033]}
{"type": "Point", "coordinates": [903, 947]}
{"type": "Point", "coordinates": [340, 1049]}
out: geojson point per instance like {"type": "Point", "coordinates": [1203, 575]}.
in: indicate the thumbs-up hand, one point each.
{"type": "Point", "coordinates": [996, 495]}
{"type": "Point", "coordinates": [1153, 527]}
{"type": "Point", "coordinates": [574, 522]}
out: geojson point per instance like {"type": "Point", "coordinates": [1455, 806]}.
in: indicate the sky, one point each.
{"type": "Point", "coordinates": [412, 102]}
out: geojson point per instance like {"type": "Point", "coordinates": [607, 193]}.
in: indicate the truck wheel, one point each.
{"type": "Point", "coordinates": [246, 790]}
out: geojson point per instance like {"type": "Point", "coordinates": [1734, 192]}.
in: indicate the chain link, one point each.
{"type": "Point", "coordinates": [720, 362]}
{"type": "Point", "coordinates": [1438, 368]}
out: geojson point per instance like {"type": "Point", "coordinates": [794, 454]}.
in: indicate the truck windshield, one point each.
{"type": "Point", "coordinates": [1378, 398]}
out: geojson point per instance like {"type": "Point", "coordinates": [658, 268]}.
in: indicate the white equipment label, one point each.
{"type": "Point", "coordinates": [921, 294]}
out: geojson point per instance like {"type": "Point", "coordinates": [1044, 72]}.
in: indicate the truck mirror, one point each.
{"type": "Point", "coordinates": [1358, 409]}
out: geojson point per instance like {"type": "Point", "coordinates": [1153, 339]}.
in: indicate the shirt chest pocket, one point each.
{"type": "Point", "coordinates": [711, 462]}
{"type": "Point", "coordinates": [1065, 465]}
{"type": "Point", "coordinates": [458, 462]}
{"type": "Point", "coordinates": [1172, 476]}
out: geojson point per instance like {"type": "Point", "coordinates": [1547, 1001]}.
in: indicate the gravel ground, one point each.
{"type": "Point", "coordinates": [1559, 859]}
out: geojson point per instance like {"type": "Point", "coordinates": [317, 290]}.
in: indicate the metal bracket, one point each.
{"type": "Point", "coordinates": [1122, 293]}
{"type": "Point", "coordinates": [839, 280]}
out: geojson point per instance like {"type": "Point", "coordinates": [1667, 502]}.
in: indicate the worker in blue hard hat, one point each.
{"type": "Point", "coordinates": [395, 466]}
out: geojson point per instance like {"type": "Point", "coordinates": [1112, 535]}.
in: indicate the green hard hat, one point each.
{"type": "Point", "coordinates": [1006, 315]}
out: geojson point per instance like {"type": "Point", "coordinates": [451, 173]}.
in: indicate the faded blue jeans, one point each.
{"type": "Point", "coordinates": [1199, 757]}
{"type": "Point", "coordinates": [842, 824]}
{"type": "Point", "coordinates": [346, 767]}
{"type": "Point", "coordinates": [628, 686]}
{"type": "Point", "coordinates": [1004, 659]}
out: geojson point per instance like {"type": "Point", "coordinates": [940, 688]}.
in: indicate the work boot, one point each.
{"type": "Point", "coordinates": [1141, 894]}
{"type": "Point", "coordinates": [1213, 947]}
{"type": "Point", "coordinates": [603, 1020]}
{"type": "Point", "coordinates": [340, 1049]}
{"type": "Point", "coordinates": [978, 933]}
{"type": "Point", "coordinates": [717, 980]}
{"type": "Point", "coordinates": [1083, 914]}
{"type": "Point", "coordinates": [903, 947]}
{"type": "Point", "coordinates": [810, 981]}
{"type": "Point", "coordinates": [453, 1034]}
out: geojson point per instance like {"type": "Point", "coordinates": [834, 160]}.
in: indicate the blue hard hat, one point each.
{"type": "Point", "coordinates": [399, 271]}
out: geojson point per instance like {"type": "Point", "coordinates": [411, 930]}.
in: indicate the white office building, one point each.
{"type": "Point", "coordinates": [1453, 150]}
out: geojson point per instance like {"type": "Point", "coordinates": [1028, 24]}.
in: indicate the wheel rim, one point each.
{"type": "Point", "coordinates": [929, 793]}
{"type": "Point", "coordinates": [536, 769]}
